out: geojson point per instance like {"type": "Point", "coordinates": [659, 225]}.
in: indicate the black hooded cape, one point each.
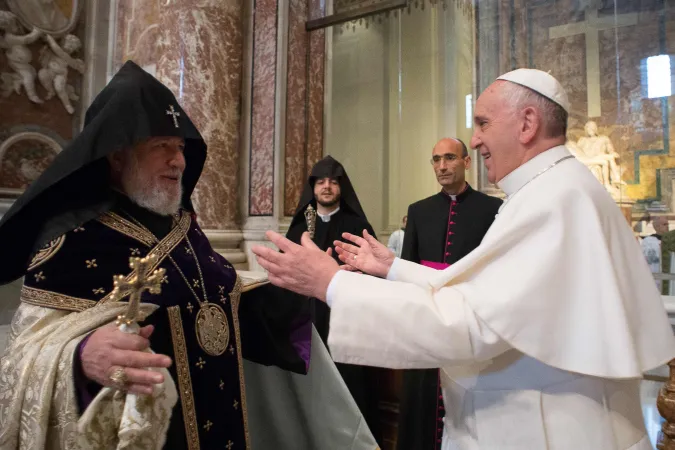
{"type": "Point", "coordinates": [350, 218]}
{"type": "Point", "coordinates": [75, 188]}
{"type": "Point", "coordinates": [361, 380]}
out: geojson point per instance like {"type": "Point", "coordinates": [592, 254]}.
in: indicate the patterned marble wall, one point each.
{"type": "Point", "coordinates": [296, 105]}
{"type": "Point", "coordinates": [33, 131]}
{"type": "Point", "coordinates": [612, 39]}
{"type": "Point", "coordinates": [315, 103]}
{"type": "Point", "coordinates": [263, 112]}
{"type": "Point", "coordinates": [304, 99]}
{"type": "Point", "coordinates": [195, 48]}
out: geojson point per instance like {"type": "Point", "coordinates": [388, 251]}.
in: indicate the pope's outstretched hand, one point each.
{"type": "Point", "coordinates": [367, 254]}
{"type": "Point", "coordinates": [304, 269]}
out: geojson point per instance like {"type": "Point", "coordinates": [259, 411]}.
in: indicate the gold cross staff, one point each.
{"type": "Point", "coordinates": [310, 219]}
{"type": "Point", "coordinates": [142, 278]}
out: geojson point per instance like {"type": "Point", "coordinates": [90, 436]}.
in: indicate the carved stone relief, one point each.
{"type": "Point", "coordinates": [31, 21]}
{"type": "Point", "coordinates": [23, 157]}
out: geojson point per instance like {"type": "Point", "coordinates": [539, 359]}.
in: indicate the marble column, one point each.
{"type": "Point", "coordinates": [261, 174]}
{"type": "Point", "coordinates": [282, 123]}
{"type": "Point", "coordinates": [305, 72]}
{"type": "Point", "coordinates": [195, 48]}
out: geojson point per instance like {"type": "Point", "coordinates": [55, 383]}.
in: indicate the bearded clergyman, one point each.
{"type": "Point", "coordinates": [329, 207]}
{"type": "Point", "coordinates": [74, 377]}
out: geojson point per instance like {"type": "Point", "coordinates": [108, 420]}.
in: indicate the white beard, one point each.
{"type": "Point", "coordinates": [145, 192]}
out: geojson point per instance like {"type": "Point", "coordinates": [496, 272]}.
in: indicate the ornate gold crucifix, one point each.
{"type": "Point", "coordinates": [142, 278]}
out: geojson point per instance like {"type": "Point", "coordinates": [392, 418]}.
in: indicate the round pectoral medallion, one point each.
{"type": "Point", "coordinates": [213, 330]}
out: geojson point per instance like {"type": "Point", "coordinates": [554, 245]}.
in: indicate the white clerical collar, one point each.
{"type": "Point", "coordinates": [326, 218]}
{"type": "Point", "coordinates": [453, 197]}
{"type": "Point", "coordinates": [523, 174]}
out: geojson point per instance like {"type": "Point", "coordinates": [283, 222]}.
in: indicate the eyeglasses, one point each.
{"type": "Point", "coordinates": [448, 158]}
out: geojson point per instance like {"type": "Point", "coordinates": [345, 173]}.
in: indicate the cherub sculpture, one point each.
{"type": "Point", "coordinates": [55, 61]}
{"type": "Point", "coordinates": [18, 56]}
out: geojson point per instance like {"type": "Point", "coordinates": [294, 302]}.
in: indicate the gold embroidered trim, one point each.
{"type": "Point", "coordinates": [54, 300]}
{"type": "Point", "coordinates": [162, 249]}
{"type": "Point", "coordinates": [119, 223]}
{"type": "Point", "coordinates": [46, 253]}
{"type": "Point", "coordinates": [257, 284]}
{"type": "Point", "coordinates": [235, 296]}
{"type": "Point", "coordinates": [184, 380]}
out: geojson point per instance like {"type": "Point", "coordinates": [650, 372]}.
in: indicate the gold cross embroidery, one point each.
{"type": "Point", "coordinates": [174, 115]}
{"type": "Point", "coordinates": [229, 445]}
{"type": "Point", "coordinates": [212, 259]}
{"type": "Point", "coordinates": [187, 250]}
{"type": "Point", "coordinates": [135, 252]}
{"type": "Point", "coordinates": [208, 425]}
{"type": "Point", "coordinates": [221, 289]}
{"type": "Point", "coordinates": [223, 299]}
{"type": "Point", "coordinates": [222, 384]}
{"type": "Point", "coordinates": [40, 276]}
{"type": "Point", "coordinates": [165, 279]}
{"type": "Point", "coordinates": [78, 229]}
{"type": "Point", "coordinates": [227, 266]}
{"type": "Point", "coordinates": [235, 404]}
{"type": "Point", "coordinates": [195, 282]}
{"type": "Point", "coordinates": [91, 263]}
{"type": "Point", "coordinates": [200, 363]}
{"type": "Point", "coordinates": [190, 307]}
{"type": "Point", "coordinates": [98, 291]}
{"type": "Point", "coordinates": [142, 278]}
{"type": "Point", "coordinates": [231, 349]}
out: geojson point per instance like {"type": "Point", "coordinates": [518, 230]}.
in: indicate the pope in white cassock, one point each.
{"type": "Point", "coordinates": [543, 332]}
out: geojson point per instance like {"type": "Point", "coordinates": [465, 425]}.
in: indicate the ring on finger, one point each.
{"type": "Point", "coordinates": [119, 379]}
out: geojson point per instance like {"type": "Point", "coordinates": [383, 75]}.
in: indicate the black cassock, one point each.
{"type": "Point", "coordinates": [440, 230]}
{"type": "Point", "coordinates": [360, 380]}
{"type": "Point", "coordinates": [326, 233]}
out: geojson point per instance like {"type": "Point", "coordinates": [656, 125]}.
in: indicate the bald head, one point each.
{"type": "Point", "coordinates": [450, 158]}
{"type": "Point", "coordinates": [660, 224]}
{"type": "Point", "coordinates": [451, 144]}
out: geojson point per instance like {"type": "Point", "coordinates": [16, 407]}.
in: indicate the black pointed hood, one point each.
{"type": "Point", "coordinates": [328, 167]}
{"type": "Point", "coordinates": [75, 188]}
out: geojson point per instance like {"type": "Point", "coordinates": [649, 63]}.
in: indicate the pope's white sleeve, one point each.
{"type": "Point", "coordinates": [405, 326]}
{"type": "Point", "coordinates": [410, 272]}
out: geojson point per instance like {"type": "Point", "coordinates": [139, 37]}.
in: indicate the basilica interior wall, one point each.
{"type": "Point", "coordinates": [356, 112]}
{"type": "Point", "coordinates": [599, 51]}
{"type": "Point", "coordinates": [271, 98]}
{"type": "Point", "coordinates": [33, 131]}
{"type": "Point", "coordinates": [397, 83]}
{"type": "Point", "coordinates": [390, 86]}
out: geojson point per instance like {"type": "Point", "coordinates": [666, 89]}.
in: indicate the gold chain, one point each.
{"type": "Point", "coordinates": [199, 269]}
{"type": "Point", "coordinates": [194, 256]}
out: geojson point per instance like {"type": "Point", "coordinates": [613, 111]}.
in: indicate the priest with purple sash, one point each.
{"type": "Point", "coordinates": [441, 229]}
